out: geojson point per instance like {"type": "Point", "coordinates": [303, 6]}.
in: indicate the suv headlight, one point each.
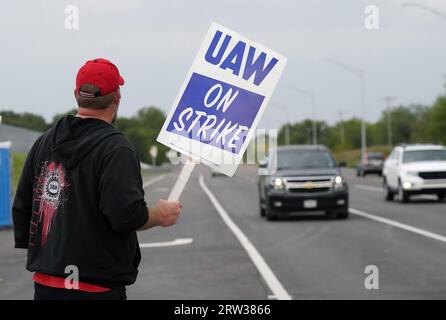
{"type": "Point", "coordinates": [412, 173]}
{"type": "Point", "coordinates": [338, 182]}
{"type": "Point", "coordinates": [277, 183]}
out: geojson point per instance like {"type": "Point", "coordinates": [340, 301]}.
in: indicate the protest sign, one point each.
{"type": "Point", "coordinates": [222, 100]}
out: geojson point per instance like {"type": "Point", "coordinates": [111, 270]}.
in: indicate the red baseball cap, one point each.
{"type": "Point", "coordinates": [101, 73]}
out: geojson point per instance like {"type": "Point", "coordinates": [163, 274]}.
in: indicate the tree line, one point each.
{"type": "Point", "coordinates": [141, 129]}
{"type": "Point", "coordinates": [410, 124]}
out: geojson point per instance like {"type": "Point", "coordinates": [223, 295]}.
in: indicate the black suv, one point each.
{"type": "Point", "coordinates": [305, 178]}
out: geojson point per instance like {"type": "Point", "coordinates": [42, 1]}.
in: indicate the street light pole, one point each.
{"type": "Point", "coordinates": [287, 125]}
{"type": "Point", "coordinates": [363, 128]}
{"type": "Point", "coordinates": [361, 75]}
{"type": "Point", "coordinates": [312, 97]}
{"type": "Point", "coordinates": [389, 120]}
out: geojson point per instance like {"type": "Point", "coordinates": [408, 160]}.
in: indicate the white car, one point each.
{"type": "Point", "coordinates": [415, 169]}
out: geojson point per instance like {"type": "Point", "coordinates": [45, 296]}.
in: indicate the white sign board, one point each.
{"type": "Point", "coordinates": [222, 99]}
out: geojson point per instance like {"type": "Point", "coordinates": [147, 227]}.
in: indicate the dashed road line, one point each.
{"type": "Point", "coordinates": [378, 189]}
{"type": "Point", "coordinates": [153, 180]}
{"type": "Point", "coordinates": [176, 242]}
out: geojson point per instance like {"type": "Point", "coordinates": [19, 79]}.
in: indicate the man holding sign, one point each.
{"type": "Point", "coordinates": [221, 102]}
{"type": "Point", "coordinates": [80, 199]}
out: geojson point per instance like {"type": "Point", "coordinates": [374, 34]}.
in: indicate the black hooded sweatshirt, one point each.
{"type": "Point", "coordinates": [79, 201]}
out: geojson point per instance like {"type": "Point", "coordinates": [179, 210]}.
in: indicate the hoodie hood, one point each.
{"type": "Point", "coordinates": [73, 138]}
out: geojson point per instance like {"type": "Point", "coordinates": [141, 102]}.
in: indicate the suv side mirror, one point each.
{"type": "Point", "coordinates": [342, 164]}
{"type": "Point", "coordinates": [263, 163]}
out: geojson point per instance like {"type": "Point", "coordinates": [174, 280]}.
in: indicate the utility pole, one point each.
{"type": "Point", "coordinates": [312, 97]}
{"type": "Point", "coordinates": [341, 126]}
{"type": "Point", "coordinates": [287, 134]}
{"type": "Point", "coordinates": [360, 73]}
{"type": "Point", "coordinates": [389, 119]}
{"type": "Point", "coordinates": [287, 124]}
{"type": "Point", "coordinates": [310, 134]}
{"type": "Point", "coordinates": [444, 85]}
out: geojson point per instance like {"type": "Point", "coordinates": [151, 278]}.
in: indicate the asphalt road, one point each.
{"type": "Point", "coordinates": [225, 250]}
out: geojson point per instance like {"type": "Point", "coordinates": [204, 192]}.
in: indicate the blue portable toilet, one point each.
{"type": "Point", "coordinates": [5, 184]}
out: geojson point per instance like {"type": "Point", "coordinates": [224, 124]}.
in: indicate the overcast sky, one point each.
{"type": "Point", "coordinates": [153, 44]}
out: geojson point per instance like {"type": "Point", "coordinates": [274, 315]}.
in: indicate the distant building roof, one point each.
{"type": "Point", "coordinates": [22, 139]}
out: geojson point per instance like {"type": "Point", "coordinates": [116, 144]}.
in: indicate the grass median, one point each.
{"type": "Point", "coordinates": [18, 160]}
{"type": "Point", "coordinates": [353, 156]}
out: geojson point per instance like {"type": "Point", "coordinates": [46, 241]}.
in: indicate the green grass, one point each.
{"type": "Point", "coordinates": [352, 156]}
{"type": "Point", "coordinates": [18, 160]}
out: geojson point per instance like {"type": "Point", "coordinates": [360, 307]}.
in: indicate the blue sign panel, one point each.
{"type": "Point", "coordinates": [5, 191]}
{"type": "Point", "coordinates": [215, 113]}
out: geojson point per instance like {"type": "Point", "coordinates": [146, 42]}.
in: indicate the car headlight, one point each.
{"type": "Point", "coordinates": [338, 182]}
{"type": "Point", "coordinates": [412, 173]}
{"type": "Point", "coordinates": [277, 183]}
{"type": "Point", "coordinates": [407, 185]}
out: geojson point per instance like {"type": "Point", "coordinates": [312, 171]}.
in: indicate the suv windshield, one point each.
{"type": "Point", "coordinates": [424, 155]}
{"type": "Point", "coordinates": [304, 159]}
{"type": "Point", "coordinates": [375, 156]}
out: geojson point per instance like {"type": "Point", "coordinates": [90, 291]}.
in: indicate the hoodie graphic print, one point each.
{"type": "Point", "coordinates": [79, 201]}
{"type": "Point", "coordinates": [49, 196]}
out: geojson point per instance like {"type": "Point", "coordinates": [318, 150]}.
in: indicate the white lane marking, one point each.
{"type": "Point", "coordinates": [265, 271]}
{"type": "Point", "coordinates": [176, 242]}
{"type": "Point", "coordinates": [400, 225]}
{"type": "Point", "coordinates": [377, 189]}
{"type": "Point", "coordinates": [153, 180]}
{"type": "Point", "coordinates": [368, 188]}
{"type": "Point", "coordinates": [162, 189]}
{"type": "Point", "coordinates": [427, 197]}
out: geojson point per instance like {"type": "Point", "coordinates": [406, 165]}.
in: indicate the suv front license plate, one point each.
{"type": "Point", "coordinates": [309, 204]}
